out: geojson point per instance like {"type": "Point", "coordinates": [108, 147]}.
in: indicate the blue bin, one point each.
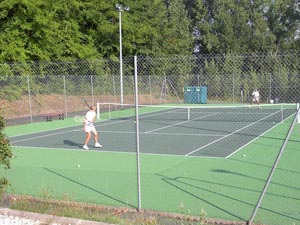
{"type": "Point", "coordinates": [188, 95]}
{"type": "Point", "coordinates": [195, 95]}
{"type": "Point", "coordinates": [203, 95]}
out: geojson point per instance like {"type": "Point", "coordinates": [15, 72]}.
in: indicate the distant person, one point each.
{"type": "Point", "coordinates": [88, 126]}
{"type": "Point", "coordinates": [255, 97]}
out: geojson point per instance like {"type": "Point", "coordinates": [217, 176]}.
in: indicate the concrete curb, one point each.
{"type": "Point", "coordinates": [48, 219]}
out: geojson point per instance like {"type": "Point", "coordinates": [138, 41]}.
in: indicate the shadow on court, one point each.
{"type": "Point", "coordinates": [183, 183]}
{"type": "Point", "coordinates": [89, 188]}
{"type": "Point", "coordinates": [72, 143]}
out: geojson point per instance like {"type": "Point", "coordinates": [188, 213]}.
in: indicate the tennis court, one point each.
{"type": "Point", "coordinates": [192, 159]}
{"type": "Point", "coordinates": [169, 130]}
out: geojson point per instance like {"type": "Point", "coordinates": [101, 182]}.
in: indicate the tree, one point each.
{"type": "Point", "coordinates": [42, 30]}
{"type": "Point", "coordinates": [5, 155]}
{"type": "Point", "coordinates": [283, 19]}
{"type": "Point", "coordinates": [35, 30]}
{"type": "Point", "coordinates": [177, 36]}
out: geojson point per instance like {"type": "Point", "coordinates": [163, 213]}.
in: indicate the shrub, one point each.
{"type": "Point", "coordinates": [5, 155]}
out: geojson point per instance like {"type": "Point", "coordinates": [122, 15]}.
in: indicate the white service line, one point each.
{"type": "Point", "coordinates": [255, 138]}
{"type": "Point", "coordinates": [177, 134]}
{"type": "Point", "coordinates": [179, 123]}
{"type": "Point", "coordinates": [114, 152]}
{"type": "Point", "coordinates": [183, 134]}
{"type": "Point", "coordinates": [230, 134]}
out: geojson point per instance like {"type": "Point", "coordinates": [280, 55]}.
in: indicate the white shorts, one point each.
{"type": "Point", "coordinates": [89, 127]}
{"type": "Point", "coordinates": [255, 99]}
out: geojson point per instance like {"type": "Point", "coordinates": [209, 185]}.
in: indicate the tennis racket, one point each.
{"type": "Point", "coordinates": [85, 102]}
{"type": "Point", "coordinates": [79, 119]}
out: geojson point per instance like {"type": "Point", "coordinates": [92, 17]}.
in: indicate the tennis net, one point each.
{"type": "Point", "coordinates": [224, 113]}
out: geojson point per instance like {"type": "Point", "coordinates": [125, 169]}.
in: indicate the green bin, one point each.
{"type": "Point", "coordinates": [195, 95]}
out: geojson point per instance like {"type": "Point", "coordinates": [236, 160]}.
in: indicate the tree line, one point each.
{"type": "Point", "coordinates": [34, 30]}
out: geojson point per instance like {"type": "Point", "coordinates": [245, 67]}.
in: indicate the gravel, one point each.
{"type": "Point", "coordinates": [14, 220]}
{"type": "Point", "coordinates": [18, 217]}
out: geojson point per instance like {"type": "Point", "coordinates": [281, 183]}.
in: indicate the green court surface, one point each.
{"type": "Point", "coordinates": [215, 161]}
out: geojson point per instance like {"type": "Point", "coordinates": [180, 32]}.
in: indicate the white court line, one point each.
{"type": "Point", "coordinates": [61, 128]}
{"type": "Point", "coordinates": [255, 138]}
{"type": "Point", "coordinates": [183, 134]}
{"type": "Point", "coordinates": [115, 152]}
{"type": "Point", "coordinates": [64, 132]}
{"type": "Point", "coordinates": [41, 136]}
{"type": "Point", "coordinates": [230, 134]}
{"type": "Point", "coordinates": [159, 113]}
{"type": "Point", "coordinates": [158, 133]}
{"type": "Point", "coordinates": [161, 128]}
{"type": "Point", "coordinates": [126, 120]}
{"type": "Point", "coordinates": [101, 125]}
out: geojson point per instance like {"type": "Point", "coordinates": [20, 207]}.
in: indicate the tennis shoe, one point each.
{"type": "Point", "coordinates": [97, 145]}
{"type": "Point", "coordinates": [85, 147]}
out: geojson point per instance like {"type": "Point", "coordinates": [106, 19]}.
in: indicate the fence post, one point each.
{"type": "Point", "coordinates": [65, 95]}
{"type": "Point", "coordinates": [150, 90]}
{"type": "Point", "coordinates": [92, 90]}
{"type": "Point", "coordinates": [29, 98]}
{"type": "Point", "coordinates": [137, 133]}
{"type": "Point", "coordinates": [270, 89]}
{"type": "Point", "coordinates": [233, 90]}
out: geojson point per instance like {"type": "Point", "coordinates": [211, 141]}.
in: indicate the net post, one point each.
{"type": "Point", "coordinates": [298, 115]}
{"type": "Point", "coordinates": [109, 114]}
{"type": "Point", "coordinates": [282, 117]}
{"type": "Point", "coordinates": [98, 111]}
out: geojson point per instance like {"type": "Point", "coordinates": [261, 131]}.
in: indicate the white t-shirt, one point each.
{"type": "Point", "coordinates": [90, 116]}
{"type": "Point", "coordinates": [255, 94]}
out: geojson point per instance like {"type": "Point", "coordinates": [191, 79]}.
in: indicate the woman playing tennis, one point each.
{"type": "Point", "coordinates": [88, 126]}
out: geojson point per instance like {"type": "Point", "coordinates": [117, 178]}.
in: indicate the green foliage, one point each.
{"type": "Point", "coordinates": [62, 30]}
{"type": "Point", "coordinates": [39, 30]}
{"type": "Point", "coordinates": [5, 155]}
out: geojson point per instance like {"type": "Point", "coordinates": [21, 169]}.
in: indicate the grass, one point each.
{"type": "Point", "coordinates": [111, 215]}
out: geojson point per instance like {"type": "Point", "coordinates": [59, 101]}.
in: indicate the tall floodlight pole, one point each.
{"type": "Point", "coordinates": [121, 9]}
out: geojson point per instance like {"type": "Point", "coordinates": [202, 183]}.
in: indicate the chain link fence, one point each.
{"type": "Point", "coordinates": [31, 90]}
{"type": "Point", "coordinates": [27, 88]}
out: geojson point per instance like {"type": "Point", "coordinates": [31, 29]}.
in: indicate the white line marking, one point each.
{"type": "Point", "coordinates": [48, 135]}
{"type": "Point", "coordinates": [41, 136]}
{"type": "Point", "coordinates": [101, 125]}
{"type": "Point", "coordinates": [186, 121]}
{"type": "Point", "coordinates": [183, 134]}
{"type": "Point", "coordinates": [160, 133]}
{"type": "Point", "coordinates": [114, 152]}
{"type": "Point", "coordinates": [255, 138]}
{"type": "Point", "coordinates": [230, 134]}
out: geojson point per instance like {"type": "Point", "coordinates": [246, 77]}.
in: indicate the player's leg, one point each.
{"type": "Point", "coordinates": [88, 137]}
{"type": "Point", "coordinates": [97, 144]}
{"type": "Point", "coordinates": [251, 101]}
{"type": "Point", "coordinates": [87, 130]}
